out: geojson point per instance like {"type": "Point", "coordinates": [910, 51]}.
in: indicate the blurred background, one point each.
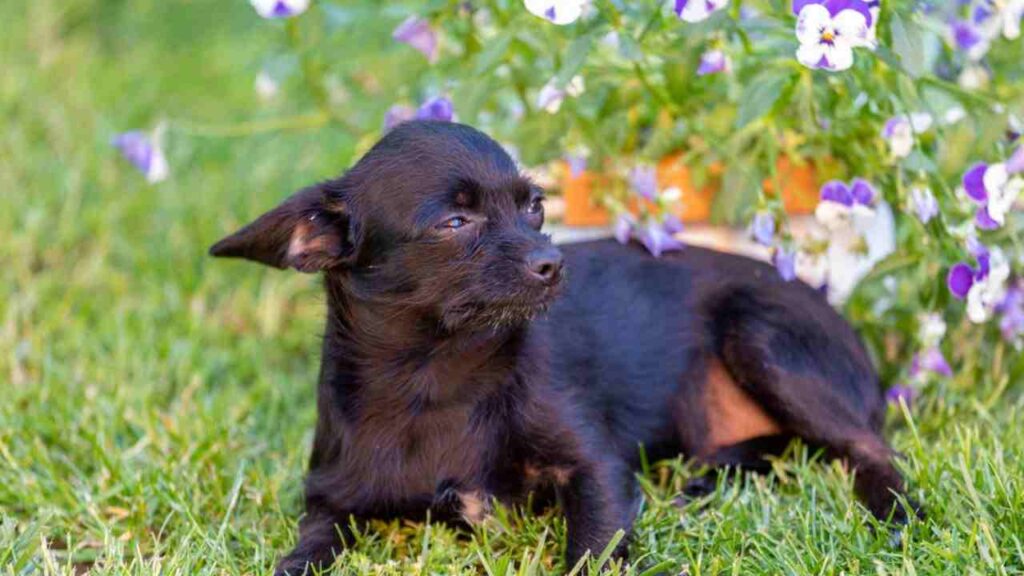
{"type": "Point", "coordinates": [156, 406]}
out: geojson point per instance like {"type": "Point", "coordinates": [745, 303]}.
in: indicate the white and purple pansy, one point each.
{"type": "Point", "coordinates": [698, 10]}
{"type": "Point", "coordinates": [994, 188]}
{"type": "Point", "coordinates": [899, 132]}
{"type": "Point", "coordinates": [999, 16]}
{"type": "Point", "coordinates": [967, 38]}
{"type": "Point", "coordinates": [145, 153]}
{"type": "Point", "coordinates": [923, 203]}
{"type": "Point", "coordinates": [839, 202]}
{"type": "Point", "coordinates": [279, 8]}
{"type": "Point", "coordinates": [559, 12]}
{"type": "Point", "coordinates": [714, 62]}
{"type": "Point", "coordinates": [417, 33]}
{"type": "Point", "coordinates": [829, 30]}
{"type": "Point", "coordinates": [984, 285]}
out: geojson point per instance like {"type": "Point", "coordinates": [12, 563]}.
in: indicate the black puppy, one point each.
{"type": "Point", "coordinates": [452, 375]}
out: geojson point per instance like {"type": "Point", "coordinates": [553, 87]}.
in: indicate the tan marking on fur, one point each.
{"type": "Point", "coordinates": [732, 415]}
{"type": "Point", "coordinates": [475, 506]}
{"type": "Point", "coordinates": [561, 476]}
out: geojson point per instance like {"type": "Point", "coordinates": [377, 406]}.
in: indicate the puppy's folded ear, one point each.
{"type": "Point", "coordinates": [310, 231]}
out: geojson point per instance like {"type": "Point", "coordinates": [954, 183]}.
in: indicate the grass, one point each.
{"type": "Point", "coordinates": [157, 406]}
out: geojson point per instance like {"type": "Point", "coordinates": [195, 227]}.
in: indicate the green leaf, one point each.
{"type": "Point", "coordinates": [629, 48]}
{"type": "Point", "coordinates": [575, 57]}
{"type": "Point", "coordinates": [908, 45]}
{"type": "Point", "coordinates": [493, 54]}
{"type": "Point", "coordinates": [760, 96]}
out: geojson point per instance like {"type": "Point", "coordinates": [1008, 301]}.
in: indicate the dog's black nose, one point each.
{"type": "Point", "coordinates": [545, 264]}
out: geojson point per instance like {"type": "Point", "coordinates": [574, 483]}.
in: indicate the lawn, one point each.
{"type": "Point", "coordinates": [157, 406]}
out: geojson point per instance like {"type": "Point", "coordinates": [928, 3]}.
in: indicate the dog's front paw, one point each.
{"type": "Point", "coordinates": [296, 565]}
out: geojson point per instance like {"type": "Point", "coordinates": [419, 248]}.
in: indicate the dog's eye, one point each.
{"type": "Point", "coordinates": [536, 205]}
{"type": "Point", "coordinates": [454, 223]}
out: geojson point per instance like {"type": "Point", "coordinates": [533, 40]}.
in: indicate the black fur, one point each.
{"type": "Point", "coordinates": [454, 373]}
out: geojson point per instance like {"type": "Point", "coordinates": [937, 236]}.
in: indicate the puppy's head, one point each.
{"type": "Point", "coordinates": [435, 218]}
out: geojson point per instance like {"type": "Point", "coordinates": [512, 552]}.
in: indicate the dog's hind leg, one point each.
{"type": "Point", "coordinates": [321, 538]}
{"type": "Point", "coordinates": [809, 372]}
{"type": "Point", "coordinates": [747, 456]}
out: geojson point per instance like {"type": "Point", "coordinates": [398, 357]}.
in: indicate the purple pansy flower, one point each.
{"type": "Point", "coordinates": [967, 38]}
{"type": "Point", "coordinates": [930, 361]}
{"type": "Point", "coordinates": [899, 132]}
{"type": "Point", "coordinates": [839, 202]}
{"type": "Point", "coordinates": [279, 8]}
{"type": "Point", "coordinates": [762, 228]}
{"type": "Point", "coordinates": [713, 62]}
{"type": "Point", "coordinates": [1011, 324]}
{"type": "Point", "coordinates": [924, 204]}
{"type": "Point", "coordinates": [698, 10]}
{"type": "Point", "coordinates": [438, 108]}
{"type": "Point", "coordinates": [900, 394]}
{"type": "Point", "coordinates": [644, 181]}
{"type": "Point", "coordinates": [577, 164]}
{"type": "Point", "coordinates": [999, 16]}
{"type": "Point", "coordinates": [396, 115]}
{"type": "Point", "coordinates": [983, 286]}
{"type": "Point", "coordinates": [560, 12]}
{"type": "Point", "coordinates": [784, 260]}
{"type": "Point", "coordinates": [417, 33]}
{"type": "Point", "coordinates": [624, 225]}
{"type": "Point", "coordinates": [829, 31]}
{"type": "Point", "coordinates": [145, 153]}
{"type": "Point", "coordinates": [994, 189]}
{"type": "Point", "coordinates": [658, 238]}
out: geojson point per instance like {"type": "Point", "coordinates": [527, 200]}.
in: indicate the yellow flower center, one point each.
{"type": "Point", "coordinates": [828, 36]}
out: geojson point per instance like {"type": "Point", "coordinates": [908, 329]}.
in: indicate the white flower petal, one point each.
{"type": "Point", "coordinates": [840, 56]}
{"type": "Point", "coordinates": [559, 12]}
{"type": "Point", "coordinates": [852, 28]}
{"type": "Point", "coordinates": [810, 54]}
{"type": "Point", "coordinates": [813, 19]}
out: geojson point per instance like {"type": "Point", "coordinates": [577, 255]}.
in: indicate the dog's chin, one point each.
{"type": "Point", "coordinates": [494, 315]}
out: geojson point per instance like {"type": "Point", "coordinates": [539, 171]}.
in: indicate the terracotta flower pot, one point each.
{"type": "Point", "coordinates": [800, 194]}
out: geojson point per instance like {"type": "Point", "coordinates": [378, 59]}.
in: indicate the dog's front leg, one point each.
{"type": "Point", "coordinates": [598, 501]}
{"type": "Point", "coordinates": [322, 536]}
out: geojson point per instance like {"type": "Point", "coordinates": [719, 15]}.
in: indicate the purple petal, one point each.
{"type": "Point", "coordinates": [136, 148]}
{"type": "Point", "coordinates": [712, 62]}
{"type": "Point", "coordinates": [863, 192]}
{"type": "Point", "coordinates": [672, 224]}
{"type": "Point", "coordinates": [893, 124]}
{"type": "Point", "coordinates": [900, 393]}
{"type": "Point", "coordinates": [657, 240]}
{"type": "Point", "coordinates": [836, 191]}
{"type": "Point", "coordinates": [933, 361]}
{"type": "Point", "coordinates": [623, 228]}
{"type": "Point", "coordinates": [417, 33]}
{"type": "Point", "coordinates": [925, 205]}
{"type": "Point", "coordinates": [762, 228]}
{"type": "Point", "coordinates": [785, 262]}
{"type": "Point", "coordinates": [1015, 164]}
{"type": "Point", "coordinates": [960, 280]}
{"type": "Point", "coordinates": [1012, 308]}
{"type": "Point", "coordinates": [965, 35]}
{"type": "Point", "coordinates": [644, 181]}
{"type": "Point", "coordinates": [984, 221]}
{"type": "Point", "coordinates": [439, 108]}
{"type": "Point", "coordinates": [974, 183]}
{"type": "Point", "coordinates": [577, 164]}
{"type": "Point", "coordinates": [396, 115]}
{"type": "Point", "coordinates": [834, 7]}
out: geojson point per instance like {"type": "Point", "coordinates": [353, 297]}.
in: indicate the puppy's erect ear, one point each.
{"type": "Point", "coordinates": [311, 231]}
